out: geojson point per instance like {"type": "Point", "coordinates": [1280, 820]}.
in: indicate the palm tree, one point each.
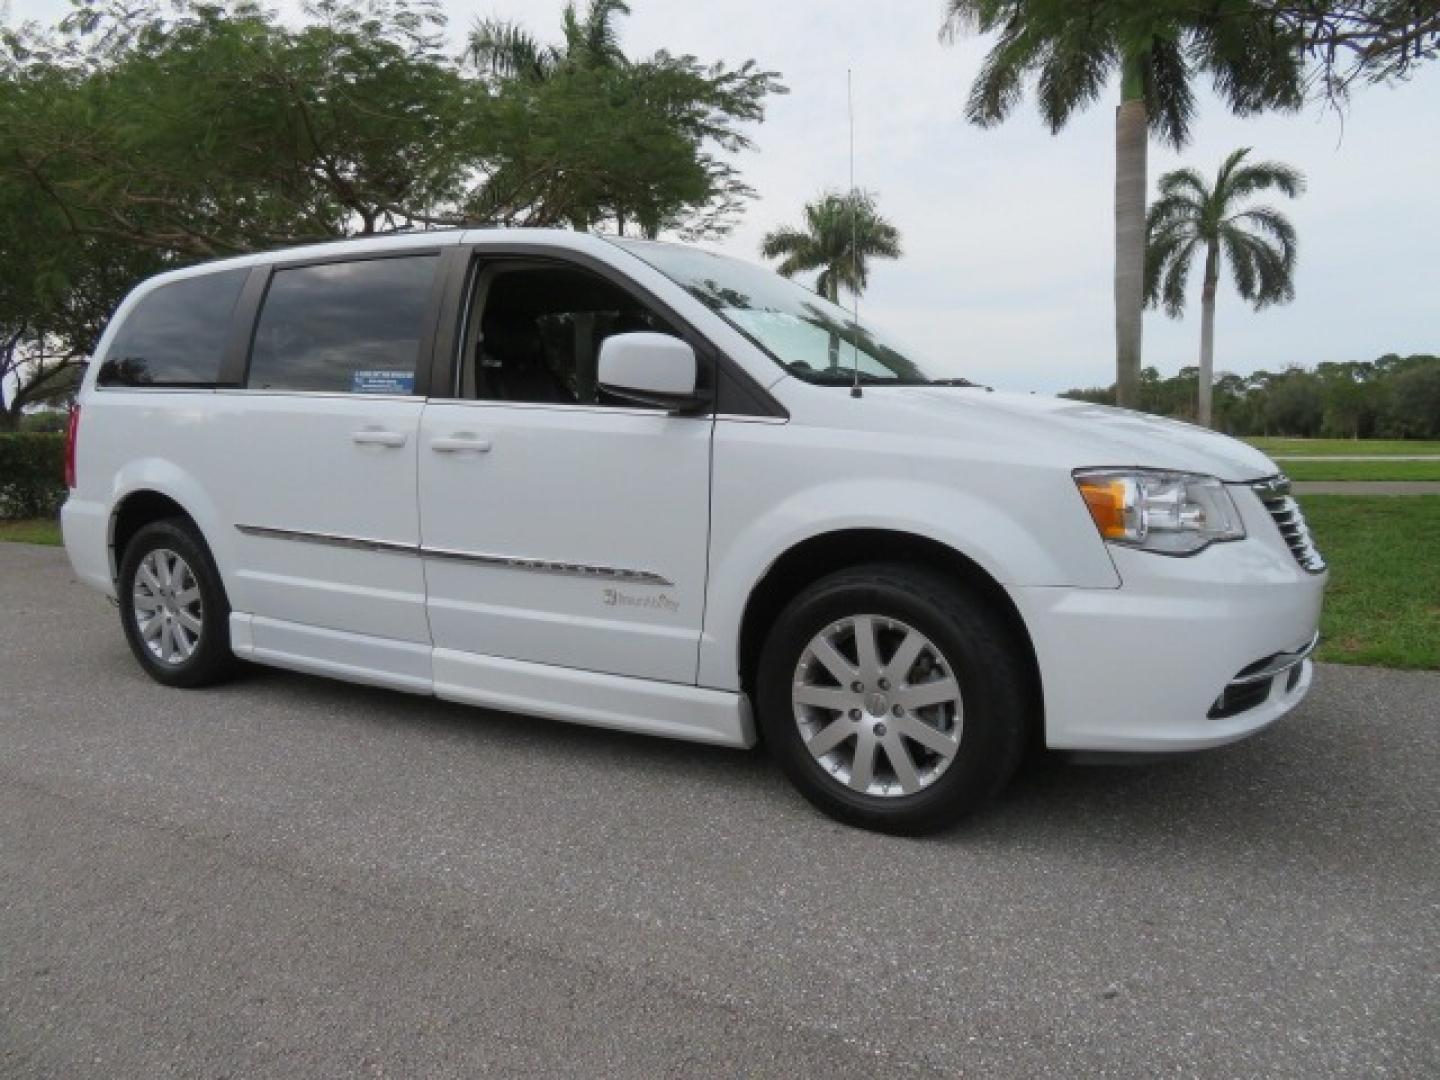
{"type": "Point", "coordinates": [1074, 49]}
{"type": "Point", "coordinates": [842, 233]}
{"type": "Point", "coordinates": [1258, 241]}
{"type": "Point", "coordinates": [509, 51]}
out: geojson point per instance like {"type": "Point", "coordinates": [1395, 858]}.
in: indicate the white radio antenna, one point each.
{"type": "Point", "coordinates": [854, 243]}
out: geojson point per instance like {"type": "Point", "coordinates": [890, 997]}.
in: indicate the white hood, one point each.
{"type": "Point", "coordinates": [1085, 434]}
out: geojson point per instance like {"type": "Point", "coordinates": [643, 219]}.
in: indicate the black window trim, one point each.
{"type": "Point", "coordinates": [735, 392]}
{"type": "Point", "coordinates": [252, 301]}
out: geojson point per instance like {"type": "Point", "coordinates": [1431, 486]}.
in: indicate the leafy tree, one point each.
{"type": "Point", "coordinates": [1359, 41]}
{"type": "Point", "coordinates": [136, 137]}
{"type": "Point", "coordinates": [1391, 397]}
{"type": "Point", "coordinates": [841, 234]}
{"type": "Point", "coordinates": [591, 135]}
{"type": "Point", "coordinates": [1074, 48]}
{"type": "Point", "coordinates": [1259, 242]}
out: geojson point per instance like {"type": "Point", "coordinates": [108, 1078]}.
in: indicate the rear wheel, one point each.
{"type": "Point", "coordinates": [173, 606]}
{"type": "Point", "coordinates": [893, 698]}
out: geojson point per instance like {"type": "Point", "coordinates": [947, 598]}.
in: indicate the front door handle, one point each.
{"type": "Point", "coordinates": [378, 437]}
{"type": "Point", "coordinates": [460, 442]}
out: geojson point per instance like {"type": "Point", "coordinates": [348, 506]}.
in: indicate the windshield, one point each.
{"type": "Point", "coordinates": [805, 334]}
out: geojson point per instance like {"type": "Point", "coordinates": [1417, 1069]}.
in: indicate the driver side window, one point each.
{"type": "Point", "coordinates": [533, 333]}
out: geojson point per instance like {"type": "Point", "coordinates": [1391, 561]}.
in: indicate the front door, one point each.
{"type": "Point", "coordinates": [559, 526]}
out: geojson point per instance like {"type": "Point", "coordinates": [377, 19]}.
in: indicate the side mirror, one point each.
{"type": "Point", "coordinates": [650, 369]}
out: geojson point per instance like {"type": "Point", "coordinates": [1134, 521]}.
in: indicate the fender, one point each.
{"type": "Point", "coordinates": [747, 540]}
{"type": "Point", "coordinates": [168, 479]}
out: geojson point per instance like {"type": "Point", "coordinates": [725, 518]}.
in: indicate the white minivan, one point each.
{"type": "Point", "coordinates": [643, 486]}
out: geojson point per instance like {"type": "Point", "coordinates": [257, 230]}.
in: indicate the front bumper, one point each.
{"type": "Point", "coordinates": [1158, 664]}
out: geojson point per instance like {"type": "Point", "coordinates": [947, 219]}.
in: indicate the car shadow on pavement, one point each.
{"type": "Point", "coordinates": [1241, 794]}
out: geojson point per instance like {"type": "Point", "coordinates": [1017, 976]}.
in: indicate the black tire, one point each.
{"type": "Point", "coordinates": [212, 660]}
{"type": "Point", "coordinates": [977, 645]}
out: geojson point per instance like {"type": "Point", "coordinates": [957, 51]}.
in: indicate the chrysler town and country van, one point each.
{"type": "Point", "coordinates": [646, 487]}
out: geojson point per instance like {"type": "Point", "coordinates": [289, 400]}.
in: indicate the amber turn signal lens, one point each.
{"type": "Point", "coordinates": [1106, 502]}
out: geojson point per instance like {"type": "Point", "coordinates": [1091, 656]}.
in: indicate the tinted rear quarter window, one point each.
{"type": "Point", "coordinates": [176, 334]}
{"type": "Point", "coordinates": [352, 327]}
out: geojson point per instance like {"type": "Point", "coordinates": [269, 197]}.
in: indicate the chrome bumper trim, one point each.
{"type": "Point", "coordinates": [1278, 664]}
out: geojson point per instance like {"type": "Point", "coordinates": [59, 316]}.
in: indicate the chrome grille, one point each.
{"type": "Point", "coordinates": [1275, 494]}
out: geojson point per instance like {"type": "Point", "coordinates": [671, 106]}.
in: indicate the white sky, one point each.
{"type": "Point", "coordinates": [1008, 232]}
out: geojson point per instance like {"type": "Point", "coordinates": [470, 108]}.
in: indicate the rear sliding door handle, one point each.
{"type": "Point", "coordinates": [459, 443]}
{"type": "Point", "coordinates": [376, 437]}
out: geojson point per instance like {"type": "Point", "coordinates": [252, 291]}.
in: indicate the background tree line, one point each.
{"type": "Point", "coordinates": [140, 136]}
{"type": "Point", "coordinates": [1395, 397]}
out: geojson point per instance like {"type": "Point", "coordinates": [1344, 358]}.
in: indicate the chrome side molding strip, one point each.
{"type": "Point", "coordinates": [508, 562]}
{"type": "Point", "coordinates": [546, 566]}
{"type": "Point", "coordinates": [328, 538]}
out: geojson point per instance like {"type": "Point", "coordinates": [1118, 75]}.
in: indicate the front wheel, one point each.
{"type": "Point", "coordinates": [893, 698]}
{"type": "Point", "coordinates": [173, 606]}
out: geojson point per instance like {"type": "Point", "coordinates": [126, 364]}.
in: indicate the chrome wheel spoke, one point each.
{"type": "Point", "coordinates": [188, 622]}
{"type": "Point", "coordinates": [184, 640]}
{"type": "Point", "coordinates": [862, 770]}
{"type": "Point", "coordinates": [147, 575]}
{"type": "Point", "coordinates": [923, 695]}
{"type": "Point", "coordinates": [866, 653]}
{"type": "Point", "coordinates": [904, 657]}
{"type": "Point", "coordinates": [902, 764]}
{"type": "Point", "coordinates": [858, 713]}
{"type": "Point", "coordinates": [936, 741]}
{"type": "Point", "coordinates": [188, 596]}
{"type": "Point", "coordinates": [150, 628]}
{"type": "Point", "coordinates": [840, 669]}
{"type": "Point", "coordinates": [825, 697]}
{"type": "Point", "coordinates": [167, 639]}
{"type": "Point", "coordinates": [829, 738]}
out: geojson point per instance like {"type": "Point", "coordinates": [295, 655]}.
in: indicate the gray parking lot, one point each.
{"type": "Point", "coordinates": [293, 877]}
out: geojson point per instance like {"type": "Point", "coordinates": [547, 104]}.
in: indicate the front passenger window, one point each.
{"type": "Point", "coordinates": [534, 334]}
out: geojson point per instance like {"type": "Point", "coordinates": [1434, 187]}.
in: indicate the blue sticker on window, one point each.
{"type": "Point", "coordinates": [382, 382]}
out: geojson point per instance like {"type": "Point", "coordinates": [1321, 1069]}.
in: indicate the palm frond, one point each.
{"type": "Point", "coordinates": [1169, 100]}
{"type": "Point", "coordinates": [507, 50]}
{"type": "Point", "coordinates": [1074, 67]}
{"type": "Point", "coordinates": [1001, 82]}
{"type": "Point", "coordinates": [1262, 176]}
{"type": "Point", "coordinates": [1185, 182]}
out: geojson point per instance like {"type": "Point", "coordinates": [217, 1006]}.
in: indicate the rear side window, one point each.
{"type": "Point", "coordinates": [176, 334]}
{"type": "Point", "coordinates": [350, 327]}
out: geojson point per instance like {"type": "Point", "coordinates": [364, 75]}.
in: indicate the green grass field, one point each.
{"type": "Point", "coordinates": [1305, 469]}
{"type": "Point", "coordinates": [1383, 605]}
{"type": "Point", "coordinates": [1322, 447]}
{"type": "Point", "coordinates": [37, 531]}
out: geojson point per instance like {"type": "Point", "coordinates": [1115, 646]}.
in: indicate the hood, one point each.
{"type": "Point", "coordinates": [1087, 435]}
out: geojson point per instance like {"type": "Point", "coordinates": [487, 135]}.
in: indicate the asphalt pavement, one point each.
{"type": "Point", "coordinates": [291, 877]}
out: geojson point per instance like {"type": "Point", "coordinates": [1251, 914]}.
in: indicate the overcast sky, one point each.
{"type": "Point", "coordinates": [1008, 232]}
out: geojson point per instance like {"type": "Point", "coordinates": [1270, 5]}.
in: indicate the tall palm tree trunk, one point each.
{"type": "Point", "coordinates": [1207, 332]}
{"type": "Point", "coordinates": [833, 289]}
{"type": "Point", "coordinates": [1131, 137]}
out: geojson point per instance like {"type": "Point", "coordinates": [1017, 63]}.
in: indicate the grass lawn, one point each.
{"type": "Point", "coordinates": [1304, 469]}
{"type": "Point", "coordinates": [1322, 447]}
{"type": "Point", "coordinates": [34, 531]}
{"type": "Point", "coordinates": [1383, 603]}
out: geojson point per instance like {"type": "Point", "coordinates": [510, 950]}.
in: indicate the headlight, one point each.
{"type": "Point", "coordinates": [1167, 512]}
